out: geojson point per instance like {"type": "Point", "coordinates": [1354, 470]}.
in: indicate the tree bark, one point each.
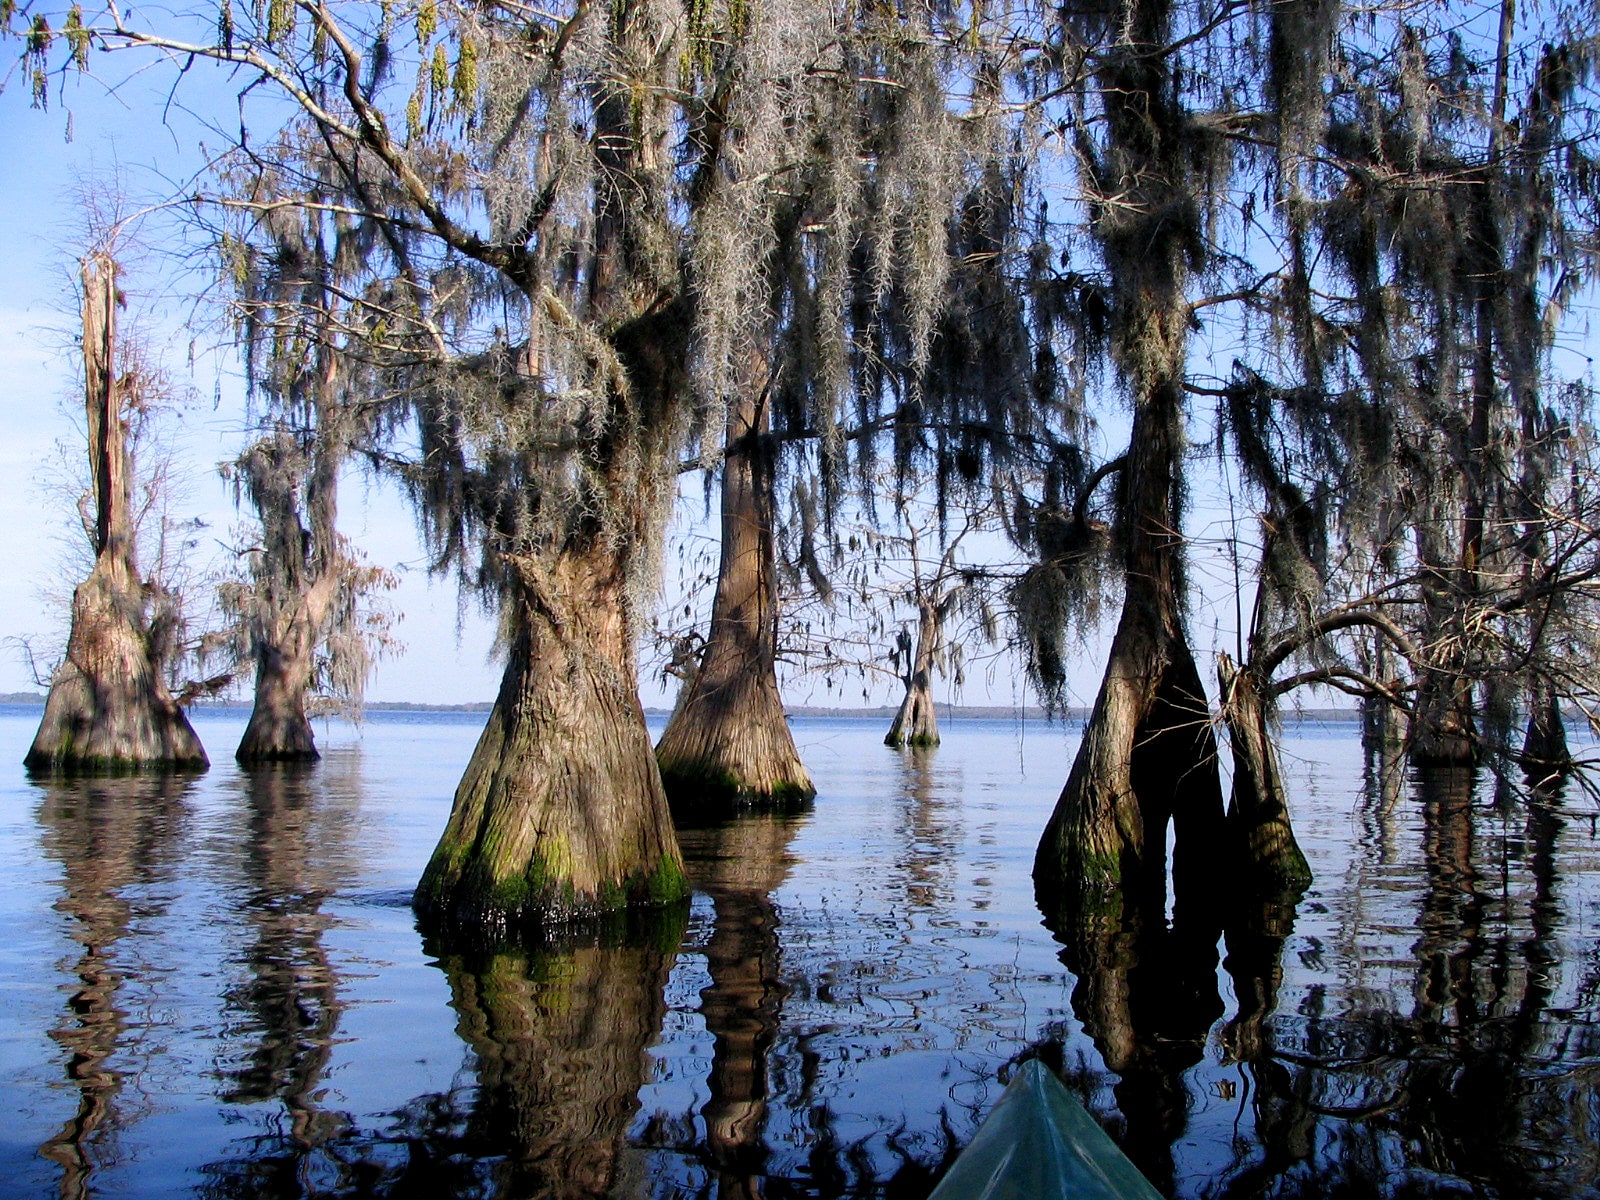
{"type": "Point", "coordinates": [297, 578]}
{"type": "Point", "coordinates": [561, 812]}
{"type": "Point", "coordinates": [917, 722]}
{"type": "Point", "coordinates": [727, 747]}
{"type": "Point", "coordinates": [1545, 754]}
{"type": "Point", "coordinates": [1258, 813]}
{"type": "Point", "coordinates": [279, 730]}
{"type": "Point", "coordinates": [1148, 754]}
{"type": "Point", "coordinates": [109, 708]}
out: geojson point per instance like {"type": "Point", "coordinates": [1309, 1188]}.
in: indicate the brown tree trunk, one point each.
{"type": "Point", "coordinates": [727, 746]}
{"type": "Point", "coordinates": [298, 575]}
{"type": "Point", "coordinates": [279, 730]}
{"type": "Point", "coordinates": [561, 812]}
{"type": "Point", "coordinates": [109, 708]}
{"type": "Point", "coordinates": [1258, 813]}
{"type": "Point", "coordinates": [917, 722]}
{"type": "Point", "coordinates": [1148, 754]}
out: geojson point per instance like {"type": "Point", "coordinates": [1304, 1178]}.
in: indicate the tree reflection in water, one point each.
{"type": "Point", "coordinates": [1147, 996]}
{"type": "Point", "coordinates": [738, 866]}
{"type": "Point", "coordinates": [842, 1009]}
{"type": "Point", "coordinates": [1478, 1086]}
{"type": "Point", "coordinates": [290, 997]}
{"type": "Point", "coordinates": [114, 838]}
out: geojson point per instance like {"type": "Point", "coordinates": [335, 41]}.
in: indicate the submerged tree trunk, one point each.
{"type": "Point", "coordinates": [561, 812]}
{"type": "Point", "coordinates": [1545, 753]}
{"type": "Point", "coordinates": [279, 730]}
{"type": "Point", "coordinates": [1258, 812]}
{"type": "Point", "coordinates": [917, 722]}
{"type": "Point", "coordinates": [109, 708]}
{"type": "Point", "coordinates": [727, 746]}
{"type": "Point", "coordinates": [1148, 754]}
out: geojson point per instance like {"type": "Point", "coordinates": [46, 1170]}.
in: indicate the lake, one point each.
{"type": "Point", "coordinates": [214, 987]}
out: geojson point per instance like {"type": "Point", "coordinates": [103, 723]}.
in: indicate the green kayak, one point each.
{"type": "Point", "coordinates": [1038, 1143]}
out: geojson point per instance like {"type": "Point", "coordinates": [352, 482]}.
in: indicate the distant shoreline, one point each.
{"type": "Point", "coordinates": [984, 712]}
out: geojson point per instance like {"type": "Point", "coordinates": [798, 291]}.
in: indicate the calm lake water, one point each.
{"type": "Point", "coordinates": [214, 987]}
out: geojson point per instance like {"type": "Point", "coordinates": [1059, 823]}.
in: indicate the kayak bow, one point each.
{"type": "Point", "coordinates": [1039, 1143]}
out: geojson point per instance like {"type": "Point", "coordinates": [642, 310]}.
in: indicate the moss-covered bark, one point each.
{"type": "Point", "coordinates": [561, 812]}
{"type": "Point", "coordinates": [727, 747]}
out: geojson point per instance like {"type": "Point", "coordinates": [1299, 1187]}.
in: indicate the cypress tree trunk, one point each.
{"type": "Point", "coordinates": [1258, 813]}
{"type": "Point", "coordinates": [109, 708]}
{"type": "Point", "coordinates": [561, 812]}
{"type": "Point", "coordinates": [1148, 754]}
{"type": "Point", "coordinates": [279, 730]}
{"type": "Point", "coordinates": [727, 746]}
{"type": "Point", "coordinates": [917, 722]}
{"type": "Point", "coordinates": [297, 578]}
{"type": "Point", "coordinates": [1545, 754]}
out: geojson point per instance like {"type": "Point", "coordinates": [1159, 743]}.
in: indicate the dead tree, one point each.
{"type": "Point", "coordinates": [109, 708]}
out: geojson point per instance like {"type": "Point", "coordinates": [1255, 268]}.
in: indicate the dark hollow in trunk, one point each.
{"type": "Point", "coordinates": [727, 747]}
{"type": "Point", "coordinates": [560, 814]}
{"type": "Point", "coordinates": [917, 723]}
{"type": "Point", "coordinates": [109, 708]}
{"type": "Point", "coordinates": [1258, 812]}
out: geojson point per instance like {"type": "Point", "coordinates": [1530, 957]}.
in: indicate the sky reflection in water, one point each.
{"type": "Point", "coordinates": [213, 987]}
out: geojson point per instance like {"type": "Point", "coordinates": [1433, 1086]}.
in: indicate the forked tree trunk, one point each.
{"type": "Point", "coordinates": [1258, 812]}
{"type": "Point", "coordinates": [561, 812]}
{"type": "Point", "coordinates": [917, 722]}
{"type": "Point", "coordinates": [727, 746]}
{"type": "Point", "coordinates": [1148, 754]}
{"type": "Point", "coordinates": [109, 708]}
